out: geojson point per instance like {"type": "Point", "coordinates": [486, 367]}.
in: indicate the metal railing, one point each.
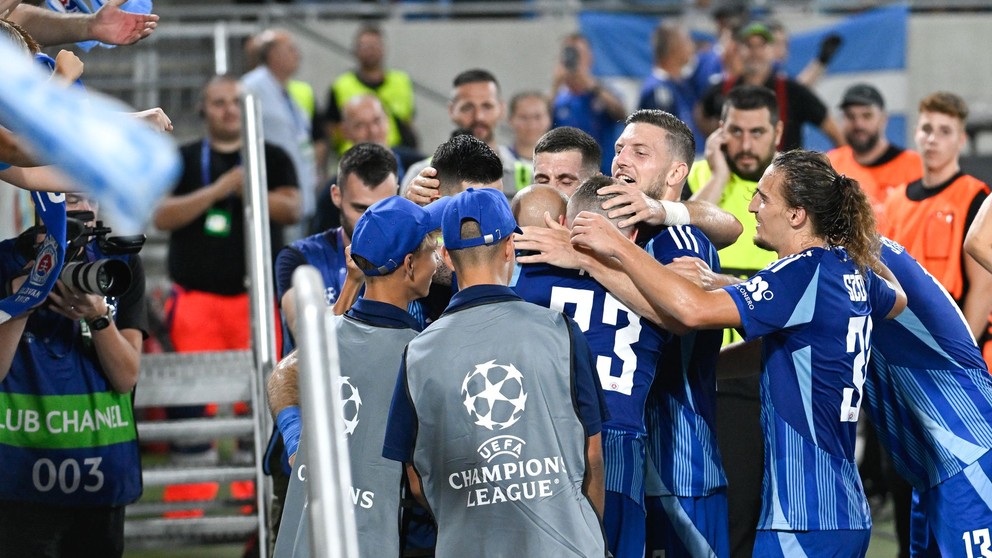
{"type": "Point", "coordinates": [332, 520]}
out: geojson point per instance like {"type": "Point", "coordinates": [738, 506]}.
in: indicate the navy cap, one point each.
{"type": "Point", "coordinates": [862, 94]}
{"type": "Point", "coordinates": [488, 207]}
{"type": "Point", "coordinates": [392, 228]}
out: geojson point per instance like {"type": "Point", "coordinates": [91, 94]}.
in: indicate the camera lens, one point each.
{"type": "Point", "coordinates": [103, 277]}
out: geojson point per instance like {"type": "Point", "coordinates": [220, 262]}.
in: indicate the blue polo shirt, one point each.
{"type": "Point", "coordinates": [401, 432]}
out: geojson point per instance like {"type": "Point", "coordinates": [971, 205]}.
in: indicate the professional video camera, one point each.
{"type": "Point", "coordinates": [107, 277]}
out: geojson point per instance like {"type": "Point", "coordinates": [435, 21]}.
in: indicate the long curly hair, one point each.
{"type": "Point", "coordinates": [836, 205]}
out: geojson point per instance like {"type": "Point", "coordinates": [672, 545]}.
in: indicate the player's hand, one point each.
{"type": "Point", "coordinates": [75, 304]}
{"type": "Point", "coordinates": [695, 270]}
{"type": "Point", "coordinates": [68, 66]}
{"type": "Point", "coordinates": [633, 205]}
{"type": "Point", "coordinates": [354, 274]}
{"type": "Point", "coordinates": [714, 154]}
{"type": "Point", "coordinates": [425, 188]}
{"type": "Point", "coordinates": [550, 245]}
{"type": "Point", "coordinates": [113, 26]}
{"type": "Point", "coordinates": [231, 182]}
{"type": "Point", "coordinates": [595, 233]}
{"type": "Point", "coordinates": [7, 6]}
{"type": "Point", "coordinates": [156, 118]}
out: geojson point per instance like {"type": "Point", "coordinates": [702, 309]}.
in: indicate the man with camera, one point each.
{"type": "Point", "coordinates": [68, 441]}
{"type": "Point", "coordinates": [580, 100]}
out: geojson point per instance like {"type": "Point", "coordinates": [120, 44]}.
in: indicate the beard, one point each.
{"type": "Point", "coordinates": [861, 147]}
{"type": "Point", "coordinates": [750, 175]}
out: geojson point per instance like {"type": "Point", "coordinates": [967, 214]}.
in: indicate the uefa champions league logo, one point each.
{"type": "Point", "coordinates": [494, 395]}
{"type": "Point", "coordinates": [351, 402]}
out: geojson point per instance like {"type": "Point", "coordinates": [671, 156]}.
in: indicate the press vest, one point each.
{"type": "Point", "coordinates": [370, 358]}
{"type": "Point", "coordinates": [500, 447]}
{"type": "Point", "coordinates": [878, 180]}
{"type": "Point", "coordinates": [395, 94]}
{"type": "Point", "coordinates": [66, 437]}
{"type": "Point", "coordinates": [932, 230]}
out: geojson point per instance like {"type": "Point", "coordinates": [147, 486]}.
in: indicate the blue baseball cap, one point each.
{"type": "Point", "coordinates": [392, 228]}
{"type": "Point", "coordinates": [488, 207]}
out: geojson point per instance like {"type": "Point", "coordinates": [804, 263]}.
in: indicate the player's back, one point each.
{"type": "Point", "coordinates": [680, 414]}
{"type": "Point", "coordinates": [929, 393]}
{"type": "Point", "coordinates": [814, 312]}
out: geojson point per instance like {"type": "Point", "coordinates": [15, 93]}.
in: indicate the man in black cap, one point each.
{"type": "Point", "coordinates": [797, 104]}
{"type": "Point", "coordinates": [869, 157]}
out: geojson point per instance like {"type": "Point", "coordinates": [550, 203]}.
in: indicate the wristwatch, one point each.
{"type": "Point", "coordinates": [100, 322]}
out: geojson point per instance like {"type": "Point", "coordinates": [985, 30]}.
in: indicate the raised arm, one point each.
{"type": "Point", "coordinates": [687, 303]}
{"type": "Point", "coordinates": [109, 24]}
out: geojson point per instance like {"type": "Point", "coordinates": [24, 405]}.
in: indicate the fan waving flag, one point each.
{"type": "Point", "coordinates": [119, 159]}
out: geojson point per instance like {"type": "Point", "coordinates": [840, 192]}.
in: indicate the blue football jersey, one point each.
{"type": "Point", "coordinates": [681, 407]}
{"type": "Point", "coordinates": [814, 312]}
{"type": "Point", "coordinates": [929, 393]}
{"type": "Point", "coordinates": [626, 350]}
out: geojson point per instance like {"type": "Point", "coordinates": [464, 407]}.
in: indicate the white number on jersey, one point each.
{"type": "Point", "coordinates": [981, 539]}
{"type": "Point", "coordinates": [625, 337]}
{"type": "Point", "coordinates": [858, 334]}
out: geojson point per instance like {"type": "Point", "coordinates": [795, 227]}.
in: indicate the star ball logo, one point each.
{"type": "Point", "coordinates": [351, 402]}
{"type": "Point", "coordinates": [494, 395]}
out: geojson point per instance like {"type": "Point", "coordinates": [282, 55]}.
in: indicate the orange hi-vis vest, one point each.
{"type": "Point", "coordinates": [933, 230]}
{"type": "Point", "coordinates": [877, 181]}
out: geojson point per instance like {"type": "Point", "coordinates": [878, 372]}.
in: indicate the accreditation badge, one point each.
{"type": "Point", "coordinates": [218, 223]}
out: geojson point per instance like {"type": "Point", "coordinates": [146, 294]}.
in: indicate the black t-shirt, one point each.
{"type": "Point", "coordinates": [211, 263]}
{"type": "Point", "coordinates": [801, 106]}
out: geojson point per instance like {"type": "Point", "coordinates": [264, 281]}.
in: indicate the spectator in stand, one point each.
{"type": "Point", "coordinates": [208, 308]}
{"type": "Point", "coordinates": [931, 216]}
{"type": "Point", "coordinates": [869, 157]}
{"type": "Point", "coordinates": [530, 118]}
{"type": "Point", "coordinates": [797, 105]}
{"type": "Point", "coordinates": [393, 88]}
{"type": "Point", "coordinates": [476, 106]}
{"type": "Point", "coordinates": [668, 88]}
{"type": "Point", "coordinates": [364, 122]}
{"type": "Point", "coordinates": [284, 122]}
{"type": "Point", "coordinates": [816, 67]}
{"type": "Point", "coordinates": [580, 100]}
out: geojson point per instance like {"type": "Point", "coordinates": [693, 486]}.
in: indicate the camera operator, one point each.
{"type": "Point", "coordinates": [68, 441]}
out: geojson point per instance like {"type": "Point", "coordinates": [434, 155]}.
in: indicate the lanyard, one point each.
{"type": "Point", "coordinates": [205, 162]}
{"type": "Point", "coordinates": [48, 260]}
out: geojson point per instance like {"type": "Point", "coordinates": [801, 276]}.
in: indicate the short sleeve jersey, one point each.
{"type": "Point", "coordinates": [814, 312]}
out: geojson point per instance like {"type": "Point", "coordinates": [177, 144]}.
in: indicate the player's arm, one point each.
{"type": "Point", "coordinates": [109, 25]}
{"type": "Point", "coordinates": [284, 402]}
{"type": "Point", "coordinates": [901, 300]}
{"type": "Point", "coordinates": [416, 488]}
{"type": "Point", "coordinates": [687, 303]}
{"type": "Point", "coordinates": [697, 271]}
{"type": "Point", "coordinates": [978, 241]}
{"type": "Point", "coordinates": [353, 282]}
{"type": "Point", "coordinates": [720, 226]}
{"type": "Point", "coordinates": [613, 277]}
{"type": "Point", "coordinates": [978, 301]}
{"type": "Point", "coordinates": [594, 483]}
{"type": "Point", "coordinates": [739, 360]}
{"type": "Point", "coordinates": [830, 129]}
{"type": "Point", "coordinates": [176, 212]}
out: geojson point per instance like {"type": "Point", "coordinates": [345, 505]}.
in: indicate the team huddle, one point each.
{"type": "Point", "coordinates": [564, 402]}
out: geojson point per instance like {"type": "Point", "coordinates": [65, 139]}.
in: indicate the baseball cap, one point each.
{"type": "Point", "coordinates": [862, 94]}
{"type": "Point", "coordinates": [392, 228]}
{"type": "Point", "coordinates": [756, 28]}
{"type": "Point", "coordinates": [486, 206]}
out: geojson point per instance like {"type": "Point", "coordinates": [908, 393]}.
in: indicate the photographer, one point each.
{"type": "Point", "coordinates": [67, 432]}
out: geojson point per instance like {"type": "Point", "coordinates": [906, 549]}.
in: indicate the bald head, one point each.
{"type": "Point", "coordinates": [364, 120]}
{"type": "Point", "coordinates": [530, 204]}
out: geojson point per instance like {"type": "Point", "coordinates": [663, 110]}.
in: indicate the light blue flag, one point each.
{"type": "Point", "coordinates": [119, 159]}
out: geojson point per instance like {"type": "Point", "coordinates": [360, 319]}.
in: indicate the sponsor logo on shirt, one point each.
{"type": "Point", "coordinates": [755, 290]}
